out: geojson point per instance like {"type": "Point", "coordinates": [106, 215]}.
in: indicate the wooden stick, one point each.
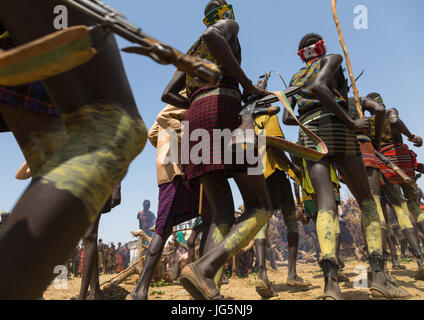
{"type": "Point", "coordinates": [142, 234]}
{"type": "Point", "coordinates": [346, 53]}
{"type": "Point", "coordinates": [120, 276]}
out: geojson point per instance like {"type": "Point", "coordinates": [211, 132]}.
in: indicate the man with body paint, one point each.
{"type": "Point", "coordinates": [276, 167]}
{"type": "Point", "coordinates": [100, 133]}
{"type": "Point", "coordinates": [90, 271]}
{"type": "Point", "coordinates": [373, 103]}
{"type": "Point", "coordinates": [395, 150]}
{"type": "Point", "coordinates": [323, 109]}
{"type": "Point", "coordinates": [310, 207]}
{"type": "Point", "coordinates": [177, 202]}
{"type": "Point", "coordinates": [218, 108]}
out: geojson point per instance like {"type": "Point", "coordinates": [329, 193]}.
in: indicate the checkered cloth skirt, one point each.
{"type": "Point", "coordinates": [404, 158]}
{"type": "Point", "coordinates": [339, 139]}
{"type": "Point", "coordinates": [210, 113]}
{"type": "Point", "coordinates": [177, 201]}
{"type": "Point", "coordinates": [31, 96]}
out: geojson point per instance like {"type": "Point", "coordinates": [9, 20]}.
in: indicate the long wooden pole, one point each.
{"type": "Point", "coordinates": [348, 63]}
{"type": "Point", "coordinates": [389, 163]}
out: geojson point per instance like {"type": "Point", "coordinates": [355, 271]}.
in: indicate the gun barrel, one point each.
{"type": "Point", "coordinates": [272, 98]}
{"type": "Point", "coordinates": [162, 53]}
{"type": "Point", "coordinates": [110, 17]}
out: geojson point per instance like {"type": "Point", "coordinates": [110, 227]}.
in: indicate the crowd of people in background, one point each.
{"type": "Point", "coordinates": [111, 259]}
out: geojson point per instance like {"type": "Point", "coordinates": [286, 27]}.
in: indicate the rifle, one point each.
{"type": "Point", "coordinates": [254, 107]}
{"type": "Point", "coordinates": [116, 22]}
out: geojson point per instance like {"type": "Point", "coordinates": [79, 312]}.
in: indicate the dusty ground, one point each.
{"type": "Point", "coordinates": [244, 288]}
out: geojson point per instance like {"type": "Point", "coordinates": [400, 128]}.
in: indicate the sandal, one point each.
{"type": "Point", "coordinates": [264, 289]}
{"type": "Point", "coordinates": [380, 292]}
{"type": "Point", "coordinates": [192, 282]}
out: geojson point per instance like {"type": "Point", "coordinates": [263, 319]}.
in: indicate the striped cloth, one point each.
{"type": "Point", "coordinates": [305, 78]}
{"type": "Point", "coordinates": [368, 155]}
{"type": "Point", "coordinates": [404, 158]}
{"type": "Point", "coordinates": [216, 112]}
{"type": "Point", "coordinates": [339, 139]}
{"type": "Point", "coordinates": [177, 201]}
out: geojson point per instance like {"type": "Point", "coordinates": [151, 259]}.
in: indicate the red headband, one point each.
{"type": "Point", "coordinates": [316, 50]}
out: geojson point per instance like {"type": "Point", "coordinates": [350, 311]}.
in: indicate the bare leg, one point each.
{"type": "Point", "coordinates": [260, 248]}
{"type": "Point", "coordinates": [95, 282]}
{"type": "Point", "coordinates": [219, 223]}
{"type": "Point", "coordinates": [327, 212]}
{"type": "Point", "coordinates": [270, 254]}
{"type": "Point", "coordinates": [258, 212]}
{"type": "Point", "coordinates": [391, 242]}
{"type": "Point", "coordinates": [402, 210]}
{"type": "Point", "coordinates": [338, 244]}
{"type": "Point", "coordinates": [354, 169]}
{"type": "Point", "coordinates": [153, 255]}
{"type": "Point", "coordinates": [289, 215]}
{"type": "Point", "coordinates": [90, 262]}
{"type": "Point", "coordinates": [191, 243]}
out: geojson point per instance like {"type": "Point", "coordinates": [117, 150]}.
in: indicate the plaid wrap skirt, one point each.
{"type": "Point", "coordinates": [177, 201]}
{"type": "Point", "coordinates": [30, 96]}
{"type": "Point", "coordinates": [404, 158]}
{"type": "Point", "coordinates": [216, 112]}
{"type": "Point", "coordinates": [340, 140]}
